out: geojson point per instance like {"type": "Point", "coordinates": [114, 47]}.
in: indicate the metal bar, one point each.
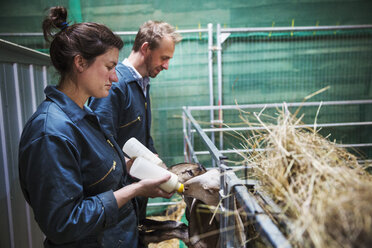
{"type": "Point", "coordinates": [354, 145]}
{"type": "Point", "coordinates": [229, 206]}
{"type": "Point", "coordinates": [191, 137]}
{"type": "Point", "coordinates": [191, 149]}
{"type": "Point", "coordinates": [37, 34]}
{"type": "Point", "coordinates": [292, 29]}
{"type": "Point", "coordinates": [188, 125]}
{"type": "Point", "coordinates": [184, 135]}
{"type": "Point", "coordinates": [210, 77]}
{"type": "Point", "coordinates": [365, 161]}
{"type": "Point", "coordinates": [264, 224]}
{"type": "Point", "coordinates": [13, 53]}
{"type": "Point", "coordinates": [6, 175]}
{"type": "Point", "coordinates": [126, 33]}
{"type": "Point", "coordinates": [229, 231]}
{"type": "Point", "coordinates": [212, 148]}
{"type": "Point", "coordinates": [32, 86]}
{"type": "Point", "coordinates": [275, 105]}
{"type": "Point", "coordinates": [341, 124]}
{"type": "Point", "coordinates": [210, 69]}
{"type": "Point", "coordinates": [186, 31]}
{"type": "Point", "coordinates": [233, 167]}
{"type": "Point", "coordinates": [45, 77]}
{"type": "Point", "coordinates": [226, 30]}
{"type": "Point", "coordinates": [224, 206]}
{"type": "Point", "coordinates": [232, 151]}
{"type": "Point", "coordinates": [263, 149]}
{"type": "Point", "coordinates": [219, 80]}
{"type": "Point", "coordinates": [21, 34]}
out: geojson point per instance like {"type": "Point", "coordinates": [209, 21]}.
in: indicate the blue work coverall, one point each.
{"type": "Point", "coordinates": [126, 113]}
{"type": "Point", "coordinates": [69, 168]}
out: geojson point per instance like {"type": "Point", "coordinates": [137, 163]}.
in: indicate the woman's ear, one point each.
{"type": "Point", "coordinates": [80, 63]}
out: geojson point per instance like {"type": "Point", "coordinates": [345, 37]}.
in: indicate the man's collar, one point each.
{"type": "Point", "coordinates": [129, 64]}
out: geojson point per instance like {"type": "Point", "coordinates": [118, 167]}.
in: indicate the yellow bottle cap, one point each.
{"type": "Point", "coordinates": [180, 189]}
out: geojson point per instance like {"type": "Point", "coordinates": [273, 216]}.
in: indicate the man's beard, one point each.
{"type": "Point", "coordinates": [150, 71]}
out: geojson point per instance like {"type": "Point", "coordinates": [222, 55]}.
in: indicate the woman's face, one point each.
{"type": "Point", "coordinates": [96, 79]}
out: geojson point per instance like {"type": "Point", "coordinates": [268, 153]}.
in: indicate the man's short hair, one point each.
{"type": "Point", "coordinates": [152, 32]}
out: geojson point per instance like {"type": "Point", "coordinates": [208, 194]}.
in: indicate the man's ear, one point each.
{"type": "Point", "coordinates": [80, 63]}
{"type": "Point", "coordinates": [145, 48]}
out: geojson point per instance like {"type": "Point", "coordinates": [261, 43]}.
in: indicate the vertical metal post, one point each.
{"type": "Point", "coordinates": [219, 80]}
{"type": "Point", "coordinates": [20, 126]}
{"type": "Point", "coordinates": [210, 69]}
{"type": "Point", "coordinates": [45, 77]}
{"type": "Point", "coordinates": [229, 218]}
{"type": "Point", "coordinates": [224, 217]}
{"type": "Point", "coordinates": [184, 134]}
{"type": "Point", "coordinates": [6, 175]}
{"type": "Point", "coordinates": [189, 135]}
{"type": "Point", "coordinates": [222, 207]}
{"type": "Point", "coordinates": [32, 86]}
{"type": "Point", "coordinates": [192, 140]}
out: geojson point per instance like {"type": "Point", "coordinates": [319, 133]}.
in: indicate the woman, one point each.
{"type": "Point", "coordinates": [71, 172]}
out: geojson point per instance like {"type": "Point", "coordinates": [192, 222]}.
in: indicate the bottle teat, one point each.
{"type": "Point", "coordinates": [181, 188]}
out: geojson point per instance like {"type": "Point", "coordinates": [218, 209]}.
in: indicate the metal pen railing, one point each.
{"type": "Point", "coordinates": [230, 186]}
{"type": "Point", "coordinates": [279, 105]}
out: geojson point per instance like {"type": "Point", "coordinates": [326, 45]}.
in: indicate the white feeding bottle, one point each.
{"type": "Point", "coordinates": [134, 149]}
{"type": "Point", "coordinates": [144, 169]}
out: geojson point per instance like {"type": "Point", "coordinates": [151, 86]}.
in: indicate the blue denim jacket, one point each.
{"type": "Point", "coordinates": [126, 112]}
{"type": "Point", "coordinates": [69, 168]}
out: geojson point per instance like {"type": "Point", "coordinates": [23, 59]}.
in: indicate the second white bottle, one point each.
{"type": "Point", "coordinates": [144, 169]}
{"type": "Point", "coordinates": [134, 149]}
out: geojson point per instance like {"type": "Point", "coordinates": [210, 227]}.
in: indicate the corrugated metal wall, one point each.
{"type": "Point", "coordinates": [23, 76]}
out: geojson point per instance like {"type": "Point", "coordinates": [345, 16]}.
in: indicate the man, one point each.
{"type": "Point", "coordinates": [126, 112]}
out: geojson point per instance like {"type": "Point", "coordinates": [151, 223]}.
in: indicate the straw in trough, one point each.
{"type": "Point", "coordinates": [324, 194]}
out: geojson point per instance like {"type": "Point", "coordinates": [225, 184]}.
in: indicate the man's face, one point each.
{"type": "Point", "coordinates": [158, 59]}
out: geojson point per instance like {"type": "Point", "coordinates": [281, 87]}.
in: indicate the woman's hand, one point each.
{"type": "Point", "coordinates": [128, 163]}
{"type": "Point", "coordinates": [150, 188]}
{"type": "Point", "coordinates": [145, 187]}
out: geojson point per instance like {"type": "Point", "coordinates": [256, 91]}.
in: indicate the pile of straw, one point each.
{"type": "Point", "coordinates": [325, 195]}
{"type": "Point", "coordinates": [174, 212]}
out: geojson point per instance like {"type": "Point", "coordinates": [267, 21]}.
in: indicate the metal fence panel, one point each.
{"type": "Point", "coordinates": [287, 64]}
{"type": "Point", "coordinates": [21, 90]}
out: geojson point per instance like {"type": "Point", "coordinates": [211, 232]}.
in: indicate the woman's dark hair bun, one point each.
{"type": "Point", "coordinates": [87, 39]}
{"type": "Point", "coordinates": [56, 19]}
